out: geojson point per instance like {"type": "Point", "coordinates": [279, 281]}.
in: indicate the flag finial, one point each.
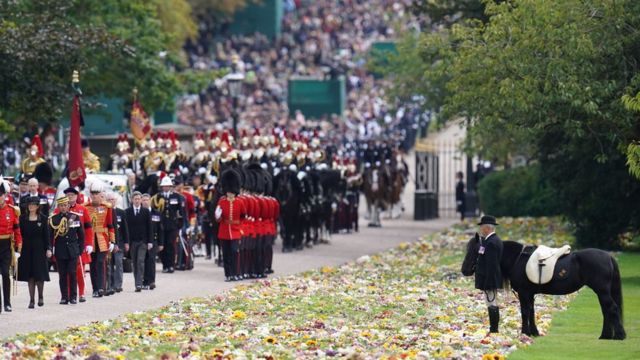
{"type": "Point", "coordinates": [76, 77]}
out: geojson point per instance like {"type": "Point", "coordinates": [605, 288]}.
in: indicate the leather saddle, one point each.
{"type": "Point", "coordinates": [541, 264]}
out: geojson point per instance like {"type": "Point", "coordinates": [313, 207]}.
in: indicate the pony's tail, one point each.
{"type": "Point", "coordinates": [616, 288]}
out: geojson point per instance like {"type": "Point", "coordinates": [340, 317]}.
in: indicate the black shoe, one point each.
{"type": "Point", "coordinates": [7, 308]}
{"type": "Point", "coordinates": [165, 270]}
{"type": "Point", "coordinates": [100, 293]}
{"type": "Point", "coordinates": [171, 270]}
{"type": "Point", "coordinates": [110, 292]}
{"type": "Point", "coordinates": [97, 294]}
{"type": "Point", "coordinates": [119, 290]}
{"type": "Point", "coordinates": [269, 271]}
{"type": "Point", "coordinates": [73, 301]}
{"type": "Point", "coordinates": [152, 286]}
{"type": "Point", "coordinates": [228, 279]}
{"type": "Point", "coordinates": [32, 305]}
{"type": "Point", "coordinates": [138, 288]}
{"type": "Point", "coordinates": [64, 302]}
{"type": "Point", "coordinates": [181, 268]}
{"type": "Point", "coordinates": [82, 299]}
{"type": "Point", "coordinates": [208, 257]}
{"type": "Point", "coordinates": [41, 302]}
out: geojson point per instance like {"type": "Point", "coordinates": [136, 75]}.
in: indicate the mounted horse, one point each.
{"type": "Point", "coordinates": [375, 186]}
{"type": "Point", "coordinates": [286, 188]}
{"type": "Point", "coordinates": [591, 267]}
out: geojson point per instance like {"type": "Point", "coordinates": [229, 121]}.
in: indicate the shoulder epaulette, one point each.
{"type": "Point", "coordinates": [107, 205]}
{"type": "Point", "coordinates": [16, 210]}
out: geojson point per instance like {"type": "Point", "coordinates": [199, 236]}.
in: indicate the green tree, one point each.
{"type": "Point", "coordinates": [544, 79]}
{"type": "Point", "coordinates": [115, 45]}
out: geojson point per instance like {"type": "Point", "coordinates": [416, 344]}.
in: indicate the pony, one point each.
{"type": "Point", "coordinates": [594, 268]}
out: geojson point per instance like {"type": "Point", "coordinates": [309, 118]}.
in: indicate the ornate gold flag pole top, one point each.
{"type": "Point", "coordinates": [76, 77]}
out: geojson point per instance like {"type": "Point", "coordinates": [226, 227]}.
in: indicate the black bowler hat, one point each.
{"type": "Point", "coordinates": [488, 220]}
{"type": "Point", "coordinates": [33, 200]}
{"type": "Point", "coordinates": [71, 190]}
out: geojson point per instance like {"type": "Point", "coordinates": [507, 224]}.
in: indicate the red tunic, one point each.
{"type": "Point", "coordinates": [190, 207]}
{"type": "Point", "coordinates": [10, 226]}
{"type": "Point", "coordinates": [232, 211]}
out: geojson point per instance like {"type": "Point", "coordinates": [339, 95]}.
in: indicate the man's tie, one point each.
{"type": "Point", "coordinates": [136, 212]}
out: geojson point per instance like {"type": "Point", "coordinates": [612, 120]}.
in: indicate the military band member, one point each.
{"type": "Point", "coordinates": [171, 207]}
{"type": "Point", "coordinates": [91, 160]}
{"type": "Point", "coordinates": [10, 244]}
{"type": "Point", "coordinates": [34, 156]}
{"type": "Point", "coordinates": [104, 239]}
{"type": "Point", "coordinates": [122, 159]}
{"type": "Point", "coordinates": [67, 236]}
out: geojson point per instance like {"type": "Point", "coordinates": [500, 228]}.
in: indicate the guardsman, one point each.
{"type": "Point", "coordinates": [10, 244]}
{"type": "Point", "coordinates": [67, 234]}
{"type": "Point", "coordinates": [354, 184]}
{"type": "Point", "coordinates": [171, 207]}
{"type": "Point", "coordinates": [34, 156]}
{"type": "Point", "coordinates": [154, 161]}
{"type": "Point", "coordinates": [84, 258]}
{"type": "Point", "coordinates": [157, 231]}
{"type": "Point", "coordinates": [228, 214]}
{"type": "Point", "coordinates": [103, 238]}
{"type": "Point", "coordinates": [91, 160]}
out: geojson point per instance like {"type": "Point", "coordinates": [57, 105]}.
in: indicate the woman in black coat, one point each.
{"type": "Point", "coordinates": [33, 266]}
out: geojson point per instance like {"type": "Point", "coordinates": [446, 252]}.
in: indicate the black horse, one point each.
{"type": "Point", "coordinates": [591, 267]}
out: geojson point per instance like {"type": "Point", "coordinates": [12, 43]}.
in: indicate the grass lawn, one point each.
{"type": "Point", "coordinates": [574, 333]}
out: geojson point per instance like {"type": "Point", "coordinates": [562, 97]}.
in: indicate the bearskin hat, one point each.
{"type": "Point", "coordinates": [44, 173]}
{"type": "Point", "coordinates": [230, 181]}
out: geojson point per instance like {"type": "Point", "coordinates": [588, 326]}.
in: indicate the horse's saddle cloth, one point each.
{"type": "Point", "coordinates": [542, 262]}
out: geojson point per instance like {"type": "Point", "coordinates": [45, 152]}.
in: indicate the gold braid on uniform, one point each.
{"type": "Point", "coordinates": [157, 202]}
{"type": "Point", "coordinates": [62, 229]}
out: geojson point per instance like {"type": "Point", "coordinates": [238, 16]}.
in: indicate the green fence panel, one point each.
{"type": "Point", "coordinates": [315, 97]}
{"type": "Point", "coordinates": [262, 16]}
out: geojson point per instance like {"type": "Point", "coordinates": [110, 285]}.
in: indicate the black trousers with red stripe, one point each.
{"type": "Point", "coordinates": [98, 270]}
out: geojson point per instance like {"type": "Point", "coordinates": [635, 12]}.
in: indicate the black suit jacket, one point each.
{"type": "Point", "coordinates": [122, 230]}
{"type": "Point", "coordinates": [139, 226]}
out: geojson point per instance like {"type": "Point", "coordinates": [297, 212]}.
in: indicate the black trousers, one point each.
{"type": "Point", "coordinates": [169, 251]}
{"type": "Point", "coordinates": [98, 270]}
{"type": "Point", "coordinates": [150, 266]}
{"type": "Point", "coordinates": [207, 230]}
{"type": "Point", "coordinates": [68, 281]}
{"type": "Point", "coordinates": [230, 257]}
{"type": "Point", "coordinates": [5, 263]}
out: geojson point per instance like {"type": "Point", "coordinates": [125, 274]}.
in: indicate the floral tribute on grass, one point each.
{"type": "Point", "coordinates": [408, 302]}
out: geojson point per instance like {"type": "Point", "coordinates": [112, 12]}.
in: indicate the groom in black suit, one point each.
{"type": "Point", "coordinates": [140, 239]}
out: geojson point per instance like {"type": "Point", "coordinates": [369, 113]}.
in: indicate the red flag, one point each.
{"type": "Point", "coordinates": [140, 124]}
{"type": "Point", "coordinates": [76, 173]}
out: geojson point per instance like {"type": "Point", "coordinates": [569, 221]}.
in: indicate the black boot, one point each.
{"type": "Point", "coordinates": [494, 318]}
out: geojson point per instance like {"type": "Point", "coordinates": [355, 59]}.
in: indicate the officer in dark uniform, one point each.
{"type": "Point", "coordinates": [157, 234]}
{"type": "Point", "coordinates": [171, 207]}
{"type": "Point", "coordinates": [67, 232]}
{"type": "Point", "coordinates": [488, 275]}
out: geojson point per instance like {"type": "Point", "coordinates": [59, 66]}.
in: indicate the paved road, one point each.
{"type": "Point", "coordinates": [207, 278]}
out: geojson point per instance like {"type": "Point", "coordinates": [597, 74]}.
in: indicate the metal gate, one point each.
{"type": "Point", "coordinates": [437, 162]}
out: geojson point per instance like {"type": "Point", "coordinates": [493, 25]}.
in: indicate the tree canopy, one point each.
{"type": "Point", "coordinates": [545, 79]}
{"type": "Point", "coordinates": [115, 45]}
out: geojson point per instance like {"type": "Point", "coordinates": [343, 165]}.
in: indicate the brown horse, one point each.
{"type": "Point", "coordinates": [375, 186]}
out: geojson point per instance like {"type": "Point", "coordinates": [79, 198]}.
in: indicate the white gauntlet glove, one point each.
{"type": "Point", "coordinates": [111, 246]}
{"type": "Point", "coordinates": [17, 255]}
{"type": "Point", "coordinates": [89, 249]}
{"type": "Point", "coordinates": [218, 212]}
